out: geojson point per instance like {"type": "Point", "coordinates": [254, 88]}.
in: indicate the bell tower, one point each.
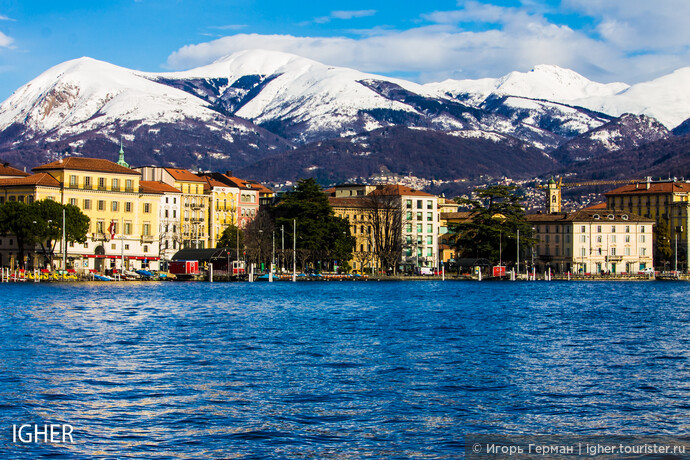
{"type": "Point", "coordinates": [553, 196]}
{"type": "Point", "coordinates": [121, 161]}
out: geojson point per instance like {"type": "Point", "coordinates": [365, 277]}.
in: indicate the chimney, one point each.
{"type": "Point", "coordinates": [228, 173]}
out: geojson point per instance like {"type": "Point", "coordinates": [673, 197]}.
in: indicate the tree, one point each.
{"type": "Point", "coordinates": [18, 219]}
{"type": "Point", "coordinates": [662, 243]}
{"type": "Point", "coordinates": [492, 231]}
{"type": "Point", "coordinates": [384, 212]}
{"type": "Point", "coordinates": [258, 237]}
{"type": "Point", "coordinates": [48, 225]}
{"type": "Point", "coordinates": [231, 237]}
{"type": "Point", "coordinates": [40, 223]}
{"type": "Point", "coordinates": [320, 233]}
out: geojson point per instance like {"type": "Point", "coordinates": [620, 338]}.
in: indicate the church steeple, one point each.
{"type": "Point", "coordinates": [121, 161]}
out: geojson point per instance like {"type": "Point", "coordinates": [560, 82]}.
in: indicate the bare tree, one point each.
{"type": "Point", "coordinates": [258, 238]}
{"type": "Point", "coordinates": [384, 211]}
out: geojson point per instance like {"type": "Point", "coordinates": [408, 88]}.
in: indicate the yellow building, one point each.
{"type": "Point", "coordinates": [667, 201]}
{"type": "Point", "coordinates": [354, 210]}
{"type": "Point", "coordinates": [223, 206]}
{"type": "Point", "coordinates": [124, 218]}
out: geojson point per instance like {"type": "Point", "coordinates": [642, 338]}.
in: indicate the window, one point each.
{"type": "Point", "coordinates": [419, 228]}
{"type": "Point", "coordinates": [429, 204]}
{"type": "Point", "coordinates": [643, 251]}
{"type": "Point", "coordinates": [116, 184]}
{"type": "Point", "coordinates": [583, 229]}
{"type": "Point", "coordinates": [429, 252]}
{"type": "Point", "coordinates": [408, 228]}
{"type": "Point", "coordinates": [582, 252]}
{"type": "Point", "coordinates": [613, 238]}
{"type": "Point", "coordinates": [128, 228]}
{"type": "Point", "coordinates": [409, 215]}
{"type": "Point", "coordinates": [599, 251]}
{"type": "Point", "coordinates": [113, 246]}
{"type": "Point", "coordinates": [627, 251]}
{"type": "Point", "coordinates": [419, 216]}
{"type": "Point", "coordinates": [613, 251]}
{"type": "Point", "coordinates": [129, 185]}
{"type": "Point", "coordinates": [642, 239]}
{"type": "Point", "coordinates": [430, 216]}
{"type": "Point", "coordinates": [146, 248]}
{"type": "Point", "coordinates": [87, 182]}
{"type": "Point", "coordinates": [613, 229]}
{"type": "Point", "coordinates": [430, 228]}
{"type": "Point", "coordinates": [642, 229]}
{"type": "Point", "coordinates": [128, 206]}
{"type": "Point", "coordinates": [627, 238]}
{"type": "Point", "coordinates": [101, 183]}
{"type": "Point", "coordinates": [127, 247]}
{"type": "Point", "coordinates": [114, 206]}
{"type": "Point", "coordinates": [598, 228]}
{"type": "Point", "coordinates": [87, 204]}
{"type": "Point", "coordinates": [627, 229]}
{"type": "Point", "coordinates": [147, 207]}
{"type": "Point", "coordinates": [419, 204]}
{"type": "Point", "coordinates": [99, 226]}
{"type": "Point", "coordinates": [583, 238]}
{"type": "Point", "coordinates": [101, 205]}
{"type": "Point", "coordinates": [174, 213]}
{"type": "Point", "coordinates": [547, 239]}
{"type": "Point", "coordinates": [167, 213]}
{"type": "Point", "coordinates": [73, 201]}
{"type": "Point", "coordinates": [146, 229]}
{"type": "Point", "coordinates": [72, 181]}
{"type": "Point", "coordinates": [429, 240]}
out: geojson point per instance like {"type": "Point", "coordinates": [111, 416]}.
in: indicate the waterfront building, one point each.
{"type": "Point", "coordinates": [355, 211]}
{"type": "Point", "coordinates": [194, 210]}
{"type": "Point", "coordinates": [223, 206]}
{"type": "Point", "coordinates": [416, 219]}
{"type": "Point", "coordinates": [662, 200]}
{"type": "Point", "coordinates": [592, 241]}
{"type": "Point", "coordinates": [169, 230]}
{"type": "Point", "coordinates": [124, 217]}
{"type": "Point", "coordinates": [249, 192]}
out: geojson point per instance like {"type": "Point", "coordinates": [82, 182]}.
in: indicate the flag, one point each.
{"type": "Point", "coordinates": [111, 229]}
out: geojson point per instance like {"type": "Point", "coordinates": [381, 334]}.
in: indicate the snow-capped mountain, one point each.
{"type": "Point", "coordinates": [256, 104]}
{"type": "Point", "coordinates": [88, 101]}
{"type": "Point", "coordinates": [627, 132]}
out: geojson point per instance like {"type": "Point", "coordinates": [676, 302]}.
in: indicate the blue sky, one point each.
{"type": "Point", "coordinates": [605, 40]}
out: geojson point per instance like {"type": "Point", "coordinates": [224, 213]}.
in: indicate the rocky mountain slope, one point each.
{"type": "Point", "coordinates": [268, 111]}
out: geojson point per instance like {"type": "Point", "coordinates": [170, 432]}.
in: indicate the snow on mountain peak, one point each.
{"type": "Point", "coordinates": [555, 84]}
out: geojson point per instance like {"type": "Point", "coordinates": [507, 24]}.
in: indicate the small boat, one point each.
{"type": "Point", "coordinates": [101, 278]}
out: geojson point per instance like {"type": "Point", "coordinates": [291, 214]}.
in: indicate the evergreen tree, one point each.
{"type": "Point", "coordinates": [491, 233]}
{"type": "Point", "coordinates": [320, 233]}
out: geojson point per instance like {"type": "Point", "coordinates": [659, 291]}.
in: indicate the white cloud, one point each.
{"type": "Point", "coordinates": [5, 41]}
{"type": "Point", "coordinates": [342, 14]}
{"type": "Point", "coordinates": [5, 18]}
{"type": "Point", "coordinates": [481, 40]}
{"type": "Point", "coordinates": [229, 27]}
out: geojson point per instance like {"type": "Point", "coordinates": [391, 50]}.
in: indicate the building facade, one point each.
{"type": "Point", "coordinates": [123, 217]}
{"type": "Point", "coordinates": [592, 241]}
{"type": "Point", "coordinates": [667, 201]}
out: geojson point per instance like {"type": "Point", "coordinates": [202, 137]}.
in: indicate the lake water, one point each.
{"type": "Point", "coordinates": [337, 369]}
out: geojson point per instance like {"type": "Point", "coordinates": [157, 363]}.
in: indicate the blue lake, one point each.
{"type": "Point", "coordinates": [338, 369]}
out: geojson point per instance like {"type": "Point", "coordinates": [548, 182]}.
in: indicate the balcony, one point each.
{"type": "Point", "coordinates": [147, 238]}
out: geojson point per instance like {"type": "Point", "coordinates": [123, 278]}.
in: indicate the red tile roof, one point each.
{"type": "Point", "coordinates": [7, 170]}
{"type": "Point", "coordinates": [43, 179]}
{"type": "Point", "coordinates": [86, 164]}
{"type": "Point", "coordinates": [184, 175]}
{"type": "Point", "coordinates": [146, 186]}
{"type": "Point", "coordinates": [597, 206]}
{"type": "Point", "coordinates": [654, 188]}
